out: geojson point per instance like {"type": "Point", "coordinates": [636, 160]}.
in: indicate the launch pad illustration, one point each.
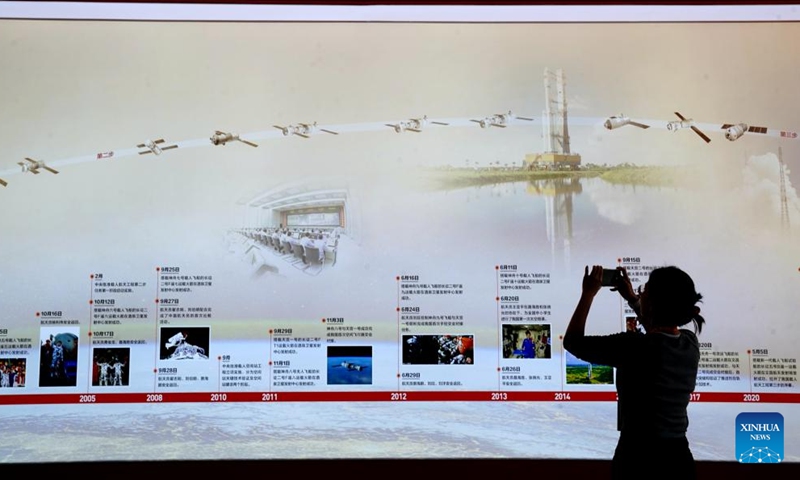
{"type": "Point", "coordinates": [557, 154]}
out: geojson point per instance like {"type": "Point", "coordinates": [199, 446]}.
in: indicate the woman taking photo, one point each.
{"type": "Point", "coordinates": [656, 370]}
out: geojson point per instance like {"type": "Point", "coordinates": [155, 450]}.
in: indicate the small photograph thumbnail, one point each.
{"type": "Point", "coordinates": [58, 356]}
{"type": "Point", "coordinates": [349, 365]}
{"type": "Point", "coordinates": [580, 372]}
{"type": "Point", "coordinates": [110, 367]}
{"type": "Point", "coordinates": [632, 324]}
{"type": "Point", "coordinates": [184, 343]}
{"type": "Point", "coordinates": [12, 372]}
{"type": "Point", "coordinates": [526, 341]}
{"type": "Point", "coordinates": [438, 349]}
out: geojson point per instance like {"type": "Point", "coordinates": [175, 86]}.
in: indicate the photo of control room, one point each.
{"type": "Point", "coordinates": [295, 228]}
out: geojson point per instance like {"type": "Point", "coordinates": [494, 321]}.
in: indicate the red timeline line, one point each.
{"type": "Point", "coordinates": [499, 326]}
{"type": "Point", "coordinates": [91, 300]}
{"type": "Point", "coordinates": [563, 361]}
{"type": "Point", "coordinates": [399, 338]}
{"type": "Point", "coordinates": [91, 314]}
{"type": "Point", "coordinates": [269, 362]}
{"type": "Point", "coordinates": [621, 306]}
{"type": "Point", "coordinates": [155, 360]}
{"type": "Point", "coordinates": [377, 396]}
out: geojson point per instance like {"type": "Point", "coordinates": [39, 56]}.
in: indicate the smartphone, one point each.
{"type": "Point", "coordinates": [610, 277]}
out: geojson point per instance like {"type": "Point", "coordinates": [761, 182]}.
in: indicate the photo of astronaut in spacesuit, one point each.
{"type": "Point", "coordinates": [184, 343]}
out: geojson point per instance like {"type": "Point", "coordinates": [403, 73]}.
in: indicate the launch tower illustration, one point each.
{"type": "Point", "coordinates": [784, 202]}
{"type": "Point", "coordinates": [556, 154]}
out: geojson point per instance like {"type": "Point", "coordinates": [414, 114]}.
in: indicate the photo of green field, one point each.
{"type": "Point", "coordinates": [581, 372]}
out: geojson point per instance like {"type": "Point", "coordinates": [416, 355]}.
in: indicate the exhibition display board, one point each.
{"type": "Point", "coordinates": [336, 232]}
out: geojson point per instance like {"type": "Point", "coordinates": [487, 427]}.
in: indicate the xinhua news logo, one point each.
{"type": "Point", "coordinates": [759, 437]}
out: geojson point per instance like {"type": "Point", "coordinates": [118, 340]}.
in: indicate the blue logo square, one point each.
{"type": "Point", "coordinates": [759, 437]}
